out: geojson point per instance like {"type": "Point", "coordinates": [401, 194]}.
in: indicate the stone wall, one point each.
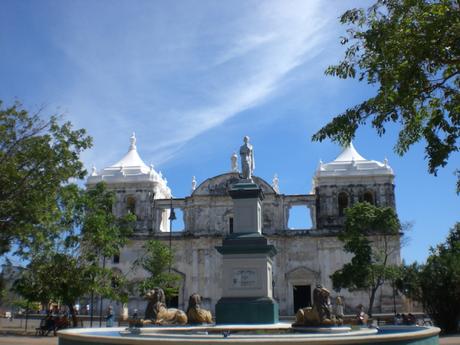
{"type": "Point", "coordinates": [303, 259]}
{"type": "Point", "coordinates": [327, 199]}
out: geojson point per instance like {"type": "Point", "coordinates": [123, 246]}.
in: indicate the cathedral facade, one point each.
{"type": "Point", "coordinates": [305, 258]}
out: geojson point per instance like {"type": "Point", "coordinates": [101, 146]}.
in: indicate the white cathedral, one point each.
{"type": "Point", "coordinates": [305, 257]}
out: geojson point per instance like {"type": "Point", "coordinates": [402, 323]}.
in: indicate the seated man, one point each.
{"type": "Point", "coordinates": [47, 324]}
{"type": "Point", "coordinates": [361, 316]}
{"type": "Point", "coordinates": [62, 323]}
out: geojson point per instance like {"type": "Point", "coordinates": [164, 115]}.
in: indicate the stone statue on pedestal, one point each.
{"type": "Point", "coordinates": [195, 313]}
{"type": "Point", "coordinates": [234, 160]}
{"type": "Point", "coordinates": [247, 159]}
{"type": "Point", "coordinates": [193, 183]}
{"type": "Point", "coordinates": [320, 314]}
{"type": "Point", "coordinates": [275, 184]}
{"type": "Point", "coordinates": [158, 314]}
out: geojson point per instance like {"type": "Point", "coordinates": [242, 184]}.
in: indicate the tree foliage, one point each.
{"type": "Point", "coordinates": [157, 261]}
{"type": "Point", "coordinates": [103, 234]}
{"type": "Point", "coordinates": [37, 156]}
{"type": "Point", "coordinates": [69, 265]}
{"type": "Point", "coordinates": [408, 281]}
{"type": "Point", "coordinates": [56, 277]}
{"type": "Point", "coordinates": [437, 283]}
{"type": "Point", "coordinates": [371, 235]}
{"type": "Point", "coordinates": [410, 50]}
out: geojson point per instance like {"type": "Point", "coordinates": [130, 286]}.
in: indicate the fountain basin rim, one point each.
{"type": "Point", "coordinates": [78, 336]}
{"type": "Point", "coordinates": [281, 326]}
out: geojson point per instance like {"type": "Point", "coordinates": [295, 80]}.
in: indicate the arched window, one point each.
{"type": "Point", "coordinates": [131, 204]}
{"type": "Point", "coordinates": [369, 197]}
{"type": "Point", "coordinates": [343, 203]}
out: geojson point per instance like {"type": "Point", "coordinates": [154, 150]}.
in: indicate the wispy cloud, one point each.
{"type": "Point", "coordinates": [173, 73]}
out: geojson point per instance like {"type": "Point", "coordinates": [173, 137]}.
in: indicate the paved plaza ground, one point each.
{"type": "Point", "coordinates": [30, 340]}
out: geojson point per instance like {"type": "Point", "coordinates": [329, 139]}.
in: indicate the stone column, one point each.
{"type": "Point", "coordinates": [247, 294]}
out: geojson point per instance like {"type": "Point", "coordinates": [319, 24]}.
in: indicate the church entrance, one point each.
{"type": "Point", "coordinates": [172, 302]}
{"type": "Point", "coordinates": [302, 296]}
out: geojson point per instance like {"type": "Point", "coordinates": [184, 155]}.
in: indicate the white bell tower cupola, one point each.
{"type": "Point", "coordinates": [348, 179]}
{"type": "Point", "coordinates": [136, 185]}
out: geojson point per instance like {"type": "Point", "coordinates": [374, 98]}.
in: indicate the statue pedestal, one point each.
{"type": "Point", "coordinates": [247, 207]}
{"type": "Point", "coordinates": [246, 311]}
{"type": "Point", "coordinates": [247, 292]}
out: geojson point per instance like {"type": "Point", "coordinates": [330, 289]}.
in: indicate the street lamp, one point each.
{"type": "Point", "coordinates": [172, 216]}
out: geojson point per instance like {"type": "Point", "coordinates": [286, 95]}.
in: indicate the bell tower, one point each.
{"type": "Point", "coordinates": [136, 185]}
{"type": "Point", "coordinates": [349, 179]}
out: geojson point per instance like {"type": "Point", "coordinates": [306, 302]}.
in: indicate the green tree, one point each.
{"type": "Point", "coordinates": [157, 261]}
{"type": "Point", "coordinates": [103, 234]}
{"type": "Point", "coordinates": [437, 283]}
{"type": "Point", "coordinates": [70, 264]}
{"type": "Point", "coordinates": [56, 277]}
{"type": "Point", "coordinates": [371, 234]}
{"type": "Point", "coordinates": [409, 50]}
{"type": "Point", "coordinates": [408, 281]}
{"type": "Point", "coordinates": [37, 157]}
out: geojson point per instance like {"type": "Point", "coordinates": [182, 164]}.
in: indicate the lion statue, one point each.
{"type": "Point", "coordinates": [318, 315]}
{"type": "Point", "coordinates": [195, 313]}
{"type": "Point", "coordinates": [157, 313]}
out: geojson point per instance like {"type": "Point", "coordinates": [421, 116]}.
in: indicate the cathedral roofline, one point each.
{"type": "Point", "coordinates": [348, 154]}
{"type": "Point", "coordinates": [350, 163]}
{"type": "Point", "coordinates": [130, 169]}
{"type": "Point", "coordinates": [132, 160]}
{"type": "Point", "coordinates": [219, 184]}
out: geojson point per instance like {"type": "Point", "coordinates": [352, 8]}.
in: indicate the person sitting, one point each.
{"type": "Point", "coordinates": [135, 321]}
{"type": "Point", "coordinates": [110, 317]}
{"type": "Point", "coordinates": [361, 316]}
{"type": "Point", "coordinates": [47, 324]}
{"type": "Point", "coordinates": [411, 320]}
{"type": "Point", "coordinates": [62, 323]}
{"type": "Point", "coordinates": [404, 319]}
{"type": "Point", "coordinates": [41, 329]}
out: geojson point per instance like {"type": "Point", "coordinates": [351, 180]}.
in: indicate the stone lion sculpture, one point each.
{"type": "Point", "coordinates": [157, 313]}
{"type": "Point", "coordinates": [318, 315]}
{"type": "Point", "coordinates": [195, 313]}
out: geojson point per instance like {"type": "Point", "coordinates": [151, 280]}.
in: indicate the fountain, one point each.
{"type": "Point", "coordinates": [247, 313]}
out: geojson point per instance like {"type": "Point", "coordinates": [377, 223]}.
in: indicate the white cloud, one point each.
{"type": "Point", "coordinates": [175, 73]}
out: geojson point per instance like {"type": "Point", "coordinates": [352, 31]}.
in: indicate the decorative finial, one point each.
{"type": "Point", "coordinates": [353, 162]}
{"type": "Point", "coordinates": [94, 171]}
{"type": "Point", "coordinates": [133, 142]}
{"type": "Point", "coordinates": [385, 162]}
{"type": "Point", "coordinates": [321, 165]}
{"type": "Point", "coordinates": [193, 183]}
{"type": "Point", "coordinates": [234, 160]}
{"type": "Point", "coordinates": [275, 184]}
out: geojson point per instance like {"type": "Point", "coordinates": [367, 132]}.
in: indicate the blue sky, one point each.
{"type": "Point", "coordinates": [191, 78]}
